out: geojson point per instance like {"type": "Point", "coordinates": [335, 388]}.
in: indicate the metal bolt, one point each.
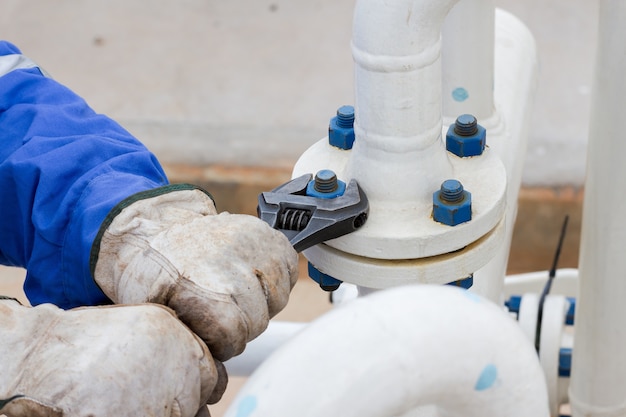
{"type": "Point", "coordinates": [466, 125]}
{"type": "Point", "coordinates": [345, 116]}
{"type": "Point", "coordinates": [565, 362]}
{"type": "Point", "coordinates": [325, 181]}
{"type": "Point", "coordinates": [452, 204]}
{"type": "Point", "coordinates": [341, 128]}
{"type": "Point", "coordinates": [451, 191]}
{"type": "Point", "coordinates": [325, 281]}
{"type": "Point", "coordinates": [465, 283]}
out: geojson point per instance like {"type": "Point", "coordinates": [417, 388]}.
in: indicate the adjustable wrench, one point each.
{"type": "Point", "coordinates": [306, 220]}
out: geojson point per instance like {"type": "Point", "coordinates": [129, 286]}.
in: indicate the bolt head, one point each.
{"type": "Point", "coordinates": [326, 282]}
{"type": "Point", "coordinates": [340, 137]}
{"type": "Point", "coordinates": [452, 214]}
{"type": "Point", "coordinates": [465, 146]}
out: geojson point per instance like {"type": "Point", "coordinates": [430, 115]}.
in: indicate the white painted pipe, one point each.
{"type": "Point", "coordinates": [397, 54]}
{"type": "Point", "coordinates": [598, 386]}
{"type": "Point", "coordinates": [258, 350]}
{"type": "Point", "coordinates": [399, 178]}
{"type": "Point", "coordinates": [468, 59]}
{"type": "Point", "coordinates": [399, 158]}
{"type": "Point", "coordinates": [399, 350]}
{"type": "Point", "coordinates": [515, 80]}
{"type": "Point", "coordinates": [566, 283]}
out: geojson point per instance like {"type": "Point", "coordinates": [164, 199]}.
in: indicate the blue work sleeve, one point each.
{"type": "Point", "coordinates": [62, 169]}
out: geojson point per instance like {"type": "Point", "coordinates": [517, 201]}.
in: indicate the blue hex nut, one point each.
{"type": "Point", "coordinates": [326, 282]}
{"type": "Point", "coordinates": [465, 283]}
{"type": "Point", "coordinates": [325, 185]}
{"type": "Point", "coordinates": [341, 128]}
{"type": "Point", "coordinates": [565, 362]}
{"type": "Point", "coordinates": [466, 137]}
{"type": "Point", "coordinates": [452, 205]}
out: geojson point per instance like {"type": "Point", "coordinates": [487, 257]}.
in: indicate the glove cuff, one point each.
{"type": "Point", "coordinates": [145, 214]}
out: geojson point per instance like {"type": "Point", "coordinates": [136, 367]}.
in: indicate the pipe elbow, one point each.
{"type": "Point", "coordinates": [398, 350]}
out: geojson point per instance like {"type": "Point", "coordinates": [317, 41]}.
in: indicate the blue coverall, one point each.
{"type": "Point", "coordinates": [63, 167]}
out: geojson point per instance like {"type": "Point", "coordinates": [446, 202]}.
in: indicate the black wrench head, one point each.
{"type": "Point", "coordinates": [306, 220]}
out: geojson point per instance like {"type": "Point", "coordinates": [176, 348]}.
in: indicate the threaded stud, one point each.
{"type": "Point", "coordinates": [325, 181]}
{"type": "Point", "coordinates": [466, 125]}
{"type": "Point", "coordinates": [345, 117]}
{"type": "Point", "coordinates": [451, 191]}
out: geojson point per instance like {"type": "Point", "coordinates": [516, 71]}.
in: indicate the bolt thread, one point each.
{"type": "Point", "coordinates": [451, 191]}
{"type": "Point", "coordinates": [345, 117]}
{"type": "Point", "coordinates": [325, 181]}
{"type": "Point", "coordinates": [466, 125]}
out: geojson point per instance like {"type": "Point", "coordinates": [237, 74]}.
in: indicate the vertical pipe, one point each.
{"type": "Point", "coordinates": [468, 59]}
{"type": "Point", "coordinates": [398, 155]}
{"type": "Point", "coordinates": [598, 386]}
{"type": "Point", "coordinates": [515, 78]}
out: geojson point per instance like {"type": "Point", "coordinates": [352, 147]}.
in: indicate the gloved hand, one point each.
{"type": "Point", "coordinates": [103, 361]}
{"type": "Point", "coordinates": [224, 275]}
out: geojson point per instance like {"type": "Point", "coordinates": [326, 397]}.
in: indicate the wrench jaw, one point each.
{"type": "Point", "coordinates": [306, 220]}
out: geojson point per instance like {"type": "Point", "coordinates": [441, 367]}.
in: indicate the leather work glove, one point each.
{"type": "Point", "coordinates": [225, 275]}
{"type": "Point", "coordinates": [103, 361]}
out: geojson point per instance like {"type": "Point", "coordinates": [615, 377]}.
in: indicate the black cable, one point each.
{"type": "Point", "coordinates": [548, 286]}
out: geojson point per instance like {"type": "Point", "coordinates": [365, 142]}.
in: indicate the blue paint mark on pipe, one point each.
{"type": "Point", "coordinates": [246, 406]}
{"type": "Point", "coordinates": [460, 94]}
{"type": "Point", "coordinates": [474, 297]}
{"type": "Point", "coordinates": [487, 378]}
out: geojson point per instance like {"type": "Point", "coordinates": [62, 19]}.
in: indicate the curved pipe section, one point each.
{"type": "Point", "coordinates": [259, 349]}
{"type": "Point", "coordinates": [398, 351]}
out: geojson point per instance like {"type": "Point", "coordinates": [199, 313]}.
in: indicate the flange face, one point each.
{"type": "Point", "coordinates": [404, 229]}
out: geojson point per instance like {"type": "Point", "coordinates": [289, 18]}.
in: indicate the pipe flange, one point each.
{"type": "Point", "coordinates": [405, 229]}
{"type": "Point", "coordinates": [384, 273]}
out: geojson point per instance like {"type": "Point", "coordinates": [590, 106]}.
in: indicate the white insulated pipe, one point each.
{"type": "Point", "coordinates": [515, 79]}
{"type": "Point", "coordinates": [401, 350]}
{"type": "Point", "coordinates": [598, 385]}
{"type": "Point", "coordinates": [259, 349]}
{"type": "Point", "coordinates": [398, 155]}
{"type": "Point", "coordinates": [468, 60]}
